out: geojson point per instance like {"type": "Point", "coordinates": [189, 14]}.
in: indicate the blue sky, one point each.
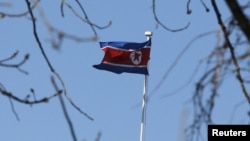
{"type": "Point", "coordinates": [112, 100]}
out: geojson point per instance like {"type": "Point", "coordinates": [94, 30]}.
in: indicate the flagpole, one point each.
{"type": "Point", "coordinates": [148, 34]}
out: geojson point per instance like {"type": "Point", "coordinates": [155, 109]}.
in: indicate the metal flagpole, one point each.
{"type": "Point", "coordinates": [148, 34]}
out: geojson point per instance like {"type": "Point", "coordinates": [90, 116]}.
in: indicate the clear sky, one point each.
{"type": "Point", "coordinates": [114, 101]}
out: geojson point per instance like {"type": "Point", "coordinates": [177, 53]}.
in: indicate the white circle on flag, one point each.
{"type": "Point", "coordinates": [135, 57]}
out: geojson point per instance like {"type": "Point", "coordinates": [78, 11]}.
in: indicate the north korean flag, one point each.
{"type": "Point", "coordinates": [127, 57]}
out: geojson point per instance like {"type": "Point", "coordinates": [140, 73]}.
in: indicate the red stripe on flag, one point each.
{"type": "Point", "coordinates": [124, 57]}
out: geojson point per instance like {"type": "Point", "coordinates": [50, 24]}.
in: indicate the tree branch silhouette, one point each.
{"type": "Point", "coordinates": [86, 16]}
{"type": "Point", "coordinates": [16, 65]}
{"type": "Point", "coordinates": [189, 11]}
{"type": "Point", "coordinates": [86, 20]}
{"type": "Point", "coordinates": [48, 62]}
{"type": "Point", "coordinates": [66, 115]}
{"type": "Point", "coordinates": [162, 25]}
{"type": "Point", "coordinates": [13, 109]}
{"type": "Point", "coordinates": [218, 66]}
{"type": "Point", "coordinates": [235, 62]}
{"type": "Point", "coordinates": [27, 101]}
{"type": "Point", "coordinates": [240, 17]}
{"type": "Point", "coordinates": [3, 14]}
{"type": "Point", "coordinates": [57, 36]}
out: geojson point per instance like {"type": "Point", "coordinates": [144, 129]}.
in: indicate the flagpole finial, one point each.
{"type": "Point", "coordinates": [148, 33]}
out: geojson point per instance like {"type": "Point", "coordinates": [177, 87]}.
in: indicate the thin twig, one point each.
{"type": "Point", "coordinates": [2, 88]}
{"type": "Point", "coordinates": [98, 137]}
{"type": "Point", "coordinates": [11, 57]}
{"type": "Point", "coordinates": [61, 8]}
{"type": "Point", "coordinates": [86, 16]}
{"type": "Point", "coordinates": [66, 115]}
{"type": "Point", "coordinates": [3, 14]}
{"type": "Point", "coordinates": [189, 11]}
{"type": "Point", "coordinates": [58, 36]}
{"type": "Point", "coordinates": [234, 110]}
{"type": "Point", "coordinates": [37, 38]}
{"type": "Point", "coordinates": [205, 6]}
{"type": "Point", "coordinates": [17, 65]}
{"type": "Point", "coordinates": [70, 101]}
{"type": "Point", "coordinates": [87, 20]}
{"type": "Point", "coordinates": [33, 93]}
{"type": "Point", "coordinates": [26, 101]}
{"type": "Point", "coordinates": [162, 25]}
{"type": "Point", "coordinates": [13, 109]}
{"type": "Point", "coordinates": [26, 57]}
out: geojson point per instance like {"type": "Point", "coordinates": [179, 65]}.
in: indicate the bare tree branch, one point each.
{"type": "Point", "coordinates": [61, 7]}
{"type": "Point", "coordinates": [66, 115]}
{"type": "Point", "coordinates": [236, 65]}
{"type": "Point", "coordinates": [33, 19]}
{"type": "Point", "coordinates": [3, 14]}
{"type": "Point", "coordinates": [27, 101]}
{"type": "Point", "coordinates": [11, 104]}
{"type": "Point", "coordinates": [189, 11]}
{"type": "Point", "coordinates": [58, 36]}
{"type": "Point", "coordinates": [13, 109]}
{"type": "Point", "coordinates": [86, 20]}
{"type": "Point", "coordinates": [11, 57]}
{"type": "Point", "coordinates": [243, 21]}
{"type": "Point", "coordinates": [204, 5]}
{"type": "Point", "coordinates": [98, 137]}
{"type": "Point", "coordinates": [16, 65]}
{"type": "Point", "coordinates": [48, 62]}
{"type": "Point", "coordinates": [86, 16]}
{"type": "Point", "coordinates": [162, 25]}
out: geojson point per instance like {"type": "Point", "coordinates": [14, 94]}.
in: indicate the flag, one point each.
{"type": "Point", "coordinates": [127, 57]}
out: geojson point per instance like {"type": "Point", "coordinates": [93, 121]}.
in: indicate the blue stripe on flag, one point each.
{"type": "Point", "coordinates": [126, 45]}
{"type": "Point", "coordinates": [121, 69]}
